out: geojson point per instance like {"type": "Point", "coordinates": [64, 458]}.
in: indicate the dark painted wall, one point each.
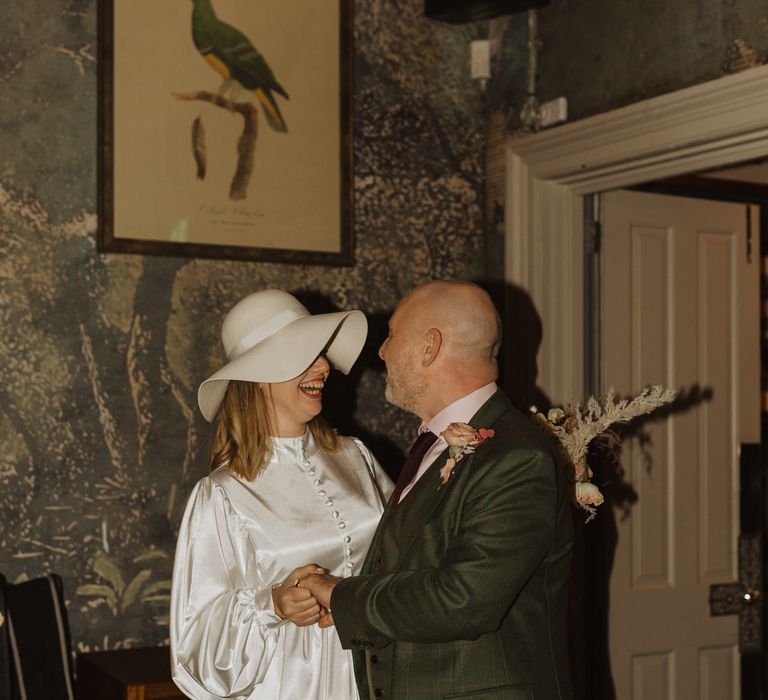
{"type": "Point", "coordinates": [605, 54]}
{"type": "Point", "coordinates": [101, 355]}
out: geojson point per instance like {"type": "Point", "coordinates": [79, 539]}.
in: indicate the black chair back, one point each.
{"type": "Point", "coordinates": [35, 645]}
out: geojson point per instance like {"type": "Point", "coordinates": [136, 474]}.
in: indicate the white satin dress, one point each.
{"type": "Point", "coordinates": [240, 538]}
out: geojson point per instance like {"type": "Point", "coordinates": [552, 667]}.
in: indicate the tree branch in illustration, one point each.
{"type": "Point", "coordinates": [246, 144]}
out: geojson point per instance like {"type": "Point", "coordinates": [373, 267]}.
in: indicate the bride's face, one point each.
{"type": "Point", "coordinates": [295, 402]}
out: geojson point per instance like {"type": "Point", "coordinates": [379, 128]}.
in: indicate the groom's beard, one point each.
{"type": "Point", "coordinates": [405, 395]}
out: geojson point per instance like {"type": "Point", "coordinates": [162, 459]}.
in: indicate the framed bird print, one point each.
{"type": "Point", "coordinates": [225, 129]}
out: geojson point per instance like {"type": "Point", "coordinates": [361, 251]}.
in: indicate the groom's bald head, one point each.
{"type": "Point", "coordinates": [443, 344]}
{"type": "Point", "coordinates": [464, 314]}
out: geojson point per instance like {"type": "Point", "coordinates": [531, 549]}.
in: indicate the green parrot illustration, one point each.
{"type": "Point", "coordinates": [230, 53]}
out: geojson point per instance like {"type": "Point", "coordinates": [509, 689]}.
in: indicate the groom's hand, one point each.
{"type": "Point", "coordinates": [294, 603]}
{"type": "Point", "coordinates": [326, 618]}
{"type": "Point", "coordinates": [321, 587]}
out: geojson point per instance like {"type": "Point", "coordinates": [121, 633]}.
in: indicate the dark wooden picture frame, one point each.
{"type": "Point", "coordinates": [316, 228]}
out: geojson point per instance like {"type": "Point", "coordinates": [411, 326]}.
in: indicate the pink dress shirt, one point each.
{"type": "Point", "coordinates": [460, 411]}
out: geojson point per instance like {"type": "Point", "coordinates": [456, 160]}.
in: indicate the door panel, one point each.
{"type": "Point", "coordinates": [652, 676]}
{"type": "Point", "coordinates": [680, 308]}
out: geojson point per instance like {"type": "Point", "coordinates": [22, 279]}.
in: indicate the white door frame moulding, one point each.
{"type": "Point", "coordinates": [718, 123]}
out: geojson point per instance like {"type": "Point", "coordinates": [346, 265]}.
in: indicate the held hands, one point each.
{"type": "Point", "coordinates": [296, 603]}
{"type": "Point", "coordinates": [304, 597]}
{"type": "Point", "coordinates": [321, 586]}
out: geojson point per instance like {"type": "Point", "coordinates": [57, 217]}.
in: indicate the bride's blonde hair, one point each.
{"type": "Point", "coordinates": [242, 440]}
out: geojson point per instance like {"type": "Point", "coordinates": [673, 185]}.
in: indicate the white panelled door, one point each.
{"type": "Point", "coordinates": [680, 308]}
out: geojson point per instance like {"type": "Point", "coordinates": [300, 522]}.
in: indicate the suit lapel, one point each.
{"type": "Point", "coordinates": [392, 518]}
{"type": "Point", "coordinates": [418, 506]}
{"type": "Point", "coordinates": [383, 530]}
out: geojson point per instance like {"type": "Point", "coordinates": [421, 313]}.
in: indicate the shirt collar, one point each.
{"type": "Point", "coordinates": [461, 410]}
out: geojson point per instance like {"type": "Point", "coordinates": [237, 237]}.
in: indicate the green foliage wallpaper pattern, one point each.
{"type": "Point", "coordinates": [101, 355]}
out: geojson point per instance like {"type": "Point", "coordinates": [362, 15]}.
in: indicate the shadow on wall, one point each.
{"type": "Point", "coordinates": [522, 336]}
{"type": "Point", "coordinates": [594, 544]}
{"type": "Point", "coordinates": [600, 538]}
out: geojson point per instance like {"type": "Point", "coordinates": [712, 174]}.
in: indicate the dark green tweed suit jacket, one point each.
{"type": "Point", "coordinates": [464, 589]}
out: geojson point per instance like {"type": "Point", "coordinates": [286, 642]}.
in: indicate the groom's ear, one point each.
{"type": "Point", "coordinates": [433, 341]}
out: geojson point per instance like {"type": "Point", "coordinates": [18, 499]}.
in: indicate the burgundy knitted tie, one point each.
{"type": "Point", "coordinates": [412, 462]}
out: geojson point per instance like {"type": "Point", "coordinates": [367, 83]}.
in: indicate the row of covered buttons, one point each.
{"type": "Point", "coordinates": [341, 523]}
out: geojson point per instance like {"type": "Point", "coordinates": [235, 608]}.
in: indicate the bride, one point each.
{"type": "Point", "coordinates": [283, 489]}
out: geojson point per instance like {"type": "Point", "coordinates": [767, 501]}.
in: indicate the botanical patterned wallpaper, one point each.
{"type": "Point", "coordinates": [100, 355]}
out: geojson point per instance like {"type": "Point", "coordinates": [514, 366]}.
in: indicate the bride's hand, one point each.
{"type": "Point", "coordinates": [297, 604]}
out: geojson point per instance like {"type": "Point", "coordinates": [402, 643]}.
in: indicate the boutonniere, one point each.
{"type": "Point", "coordinates": [462, 440]}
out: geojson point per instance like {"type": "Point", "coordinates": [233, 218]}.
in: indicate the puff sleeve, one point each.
{"type": "Point", "coordinates": [223, 626]}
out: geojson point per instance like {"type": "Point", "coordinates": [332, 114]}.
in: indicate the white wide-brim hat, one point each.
{"type": "Point", "coordinates": [270, 337]}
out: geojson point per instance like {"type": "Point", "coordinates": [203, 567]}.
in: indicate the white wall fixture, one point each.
{"type": "Point", "coordinates": [553, 112]}
{"type": "Point", "coordinates": [480, 60]}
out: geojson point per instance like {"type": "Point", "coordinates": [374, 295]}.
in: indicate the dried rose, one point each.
{"type": "Point", "coordinates": [588, 494]}
{"type": "Point", "coordinates": [461, 435]}
{"type": "Point", "coordinates": [555, 415]}
{"type": "Point", "coordinates": [541, 418]}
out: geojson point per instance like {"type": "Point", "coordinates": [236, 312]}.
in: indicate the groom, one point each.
{"type": "Point", "coordinates": [464, 590]}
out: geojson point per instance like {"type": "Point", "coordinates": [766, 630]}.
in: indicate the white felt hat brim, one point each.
{"type": "Point", "coordinates": [289, 352]}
